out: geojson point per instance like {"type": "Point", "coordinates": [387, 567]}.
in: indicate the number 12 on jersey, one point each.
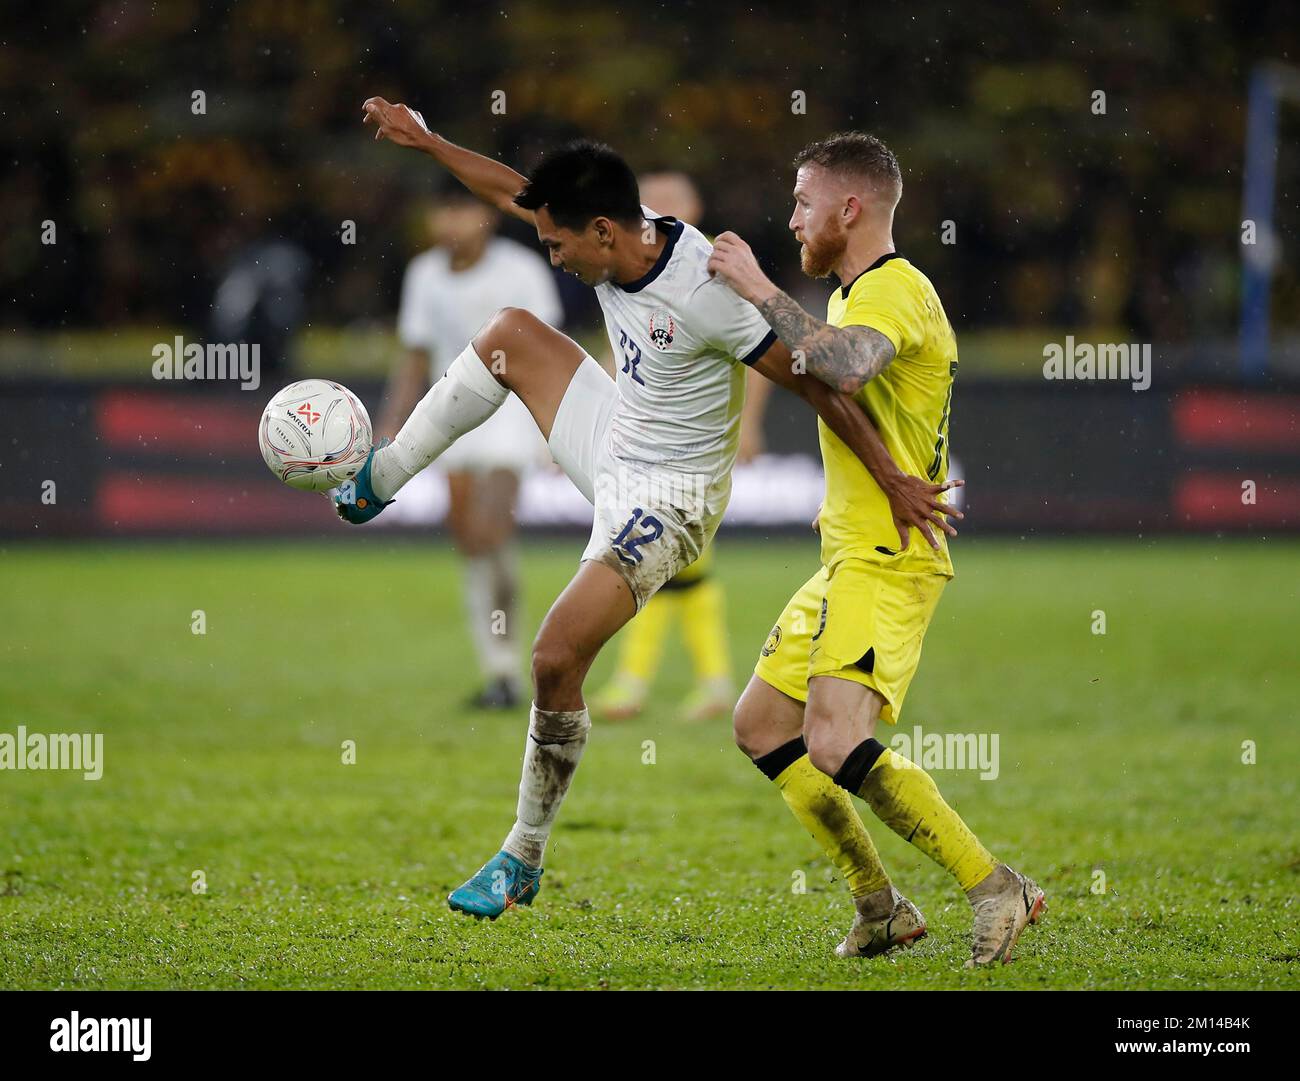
{"type": "Point", "coordinates": [631, 355]}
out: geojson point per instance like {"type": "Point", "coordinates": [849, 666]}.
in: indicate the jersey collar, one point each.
{"type": "Point", "coordinates": [844, 289]}
{"type": "Point", "coordinates": [674, 229]}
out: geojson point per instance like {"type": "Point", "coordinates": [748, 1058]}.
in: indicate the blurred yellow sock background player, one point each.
{"type": "Point", "coordinates": [694, 600]}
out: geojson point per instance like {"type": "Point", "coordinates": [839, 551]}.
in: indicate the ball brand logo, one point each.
{"type": "Point", "coordinates": [662, 328]}
{"type": "Point", "coordinates": [308, 413]}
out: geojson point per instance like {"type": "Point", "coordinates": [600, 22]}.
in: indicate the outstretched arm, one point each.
{"type": "Point", "coordinates": [842, 357]}
{"type": "Point", "coordinates": [914, 503]}
{"type": "Point", "coordinates": [493, 182]}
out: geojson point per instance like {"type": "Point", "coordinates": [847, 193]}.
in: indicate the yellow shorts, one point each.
{"type": "Point", "coordinates": [859, 621]}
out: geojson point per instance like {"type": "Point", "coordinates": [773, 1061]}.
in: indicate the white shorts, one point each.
{"type": "Point", "coordinates": [508, 439]}
{"type": "Point", "coordinates": [650, 522]}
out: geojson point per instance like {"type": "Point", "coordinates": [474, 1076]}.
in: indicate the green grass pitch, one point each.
{"type": "Point", "coordinates": [1119, 753]}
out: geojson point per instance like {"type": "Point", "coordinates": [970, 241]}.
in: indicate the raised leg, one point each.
{"type": "Point", "coordinates": [515, 351]}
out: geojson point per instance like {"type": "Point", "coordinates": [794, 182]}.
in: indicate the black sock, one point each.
{"type": "Point", "coordinates": [774, 763]}
{"type": "Point", "coordinates": [854, 772]}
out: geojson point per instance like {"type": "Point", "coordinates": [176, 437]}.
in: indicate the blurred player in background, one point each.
{"type": "Point", "coordinates": [694, 598]}
{"type": "Point", "coordinates": [449, 292]}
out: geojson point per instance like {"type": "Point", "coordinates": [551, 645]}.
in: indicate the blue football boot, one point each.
{"type": "Point", "coordinates": [499, 884]}
{"type": "Point", "coordinates": [355, 500]}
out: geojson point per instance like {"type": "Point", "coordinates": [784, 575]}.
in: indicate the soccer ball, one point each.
{"type": "Point", "coordinates": [315, 434]}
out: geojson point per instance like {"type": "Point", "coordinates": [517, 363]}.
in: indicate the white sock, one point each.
{"type": "Point", "coordinates": [491, 608]}
{"type": "Point", "coordinates": [506, 649]}
{"type": "Point", "coordinates": [555, 743]}
{"type": "Point", "coordinates": [457, 403]}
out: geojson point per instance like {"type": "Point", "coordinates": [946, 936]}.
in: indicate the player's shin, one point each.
{"type": "Point", "coordinates": [506, 654]}
{"type": "Point", "coordinates": [491, 602]}
{"type": "Point", "coordinates": [906, 799]}
{"type": "Point", "coordinates": [457, 403]}
{"type": "Point", "coordinates": [826, 811]}
{"type": "Point", "coordinates": [555, 743]}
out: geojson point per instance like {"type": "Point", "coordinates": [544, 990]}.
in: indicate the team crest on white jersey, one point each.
{"type": "Point", "coordinates": [662, 328]}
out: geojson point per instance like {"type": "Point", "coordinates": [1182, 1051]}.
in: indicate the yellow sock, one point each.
{"type": "Point", "coordinates": [827, 812]}
{"type": "Point", "coordinates": [906, 799]}
{"type": "Point", "coordinates": [643, 640]}
{"type": "Point", "coordinates": [704, 627]}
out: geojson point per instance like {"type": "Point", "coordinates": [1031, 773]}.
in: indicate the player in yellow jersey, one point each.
{"type": "Point", "coordinates": [844, 651]}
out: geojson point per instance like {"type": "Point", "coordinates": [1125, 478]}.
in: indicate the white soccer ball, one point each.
{"type": "Point", "coordinates": [315, 434]}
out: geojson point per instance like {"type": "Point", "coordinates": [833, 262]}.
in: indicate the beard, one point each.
{"type": "Point", "coordinates": [818, 257]}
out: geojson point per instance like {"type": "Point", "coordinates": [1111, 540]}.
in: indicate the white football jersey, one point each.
{"type": "Point", "coordinates": [680, 341]}
{"type": "Point", "coordinates": [442, 309]}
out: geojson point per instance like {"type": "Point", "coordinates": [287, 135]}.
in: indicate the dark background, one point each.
{"type": "Point", "coordinates": [1117, 227]}
{"type": "Point", "coordinates": [1063, 216]}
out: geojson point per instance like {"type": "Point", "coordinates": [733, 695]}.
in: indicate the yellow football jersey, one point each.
{"type": "Point", "coordinates": [909, 403]}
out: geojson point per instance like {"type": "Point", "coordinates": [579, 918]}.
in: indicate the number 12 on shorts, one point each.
{"type": "Point", "coordinates": [626, 545]}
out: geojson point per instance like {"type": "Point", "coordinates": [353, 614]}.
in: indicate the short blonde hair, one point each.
{"type": "Point", "coordinates": [856, 154]}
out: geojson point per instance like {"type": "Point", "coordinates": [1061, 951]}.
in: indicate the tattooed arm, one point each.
{"type": "Point", "coordinates": [844, 358]}
{"type": "Point", "coordinates": [914, 502]}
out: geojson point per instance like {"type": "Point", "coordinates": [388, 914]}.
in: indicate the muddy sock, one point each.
{"type": "Point", "coordinates": [555, 743]}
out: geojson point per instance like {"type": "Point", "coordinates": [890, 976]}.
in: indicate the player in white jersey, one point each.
{"type": "Point", "coordinates": [653, 450]}
{"type": "Point", "coordinates": [693, 599]}
{"type": "Point", "coordinates": [449, 292]}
